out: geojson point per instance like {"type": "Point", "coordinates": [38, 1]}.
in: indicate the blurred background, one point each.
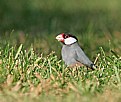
{"type": "Point", "coordinates": [35, 23]}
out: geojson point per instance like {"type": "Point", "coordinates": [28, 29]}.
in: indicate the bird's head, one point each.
{"type": "Point", "coordinates": [66, 39]}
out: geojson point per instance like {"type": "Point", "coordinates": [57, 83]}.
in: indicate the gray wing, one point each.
{"type": "Point", "coordinates": [81, 57]}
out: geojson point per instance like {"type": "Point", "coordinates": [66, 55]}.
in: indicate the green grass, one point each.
{"type": "Point", "coordinates": [31, 68]}
{"type": "Point", "coordinates": [28, 76]}
{"type": "Point", "coordinates": [52, 16]}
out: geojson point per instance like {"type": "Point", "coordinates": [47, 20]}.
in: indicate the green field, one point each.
{"type": "Point", "coordinates": [31, 69]}
{"type": "Point", "coordinates": [26, 75]}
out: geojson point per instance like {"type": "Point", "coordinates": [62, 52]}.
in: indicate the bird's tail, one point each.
{"type": "Point", "coordinates": [93, 67]}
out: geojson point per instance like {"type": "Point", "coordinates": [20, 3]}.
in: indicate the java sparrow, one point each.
{"type": "Point", "coordinates": [71, 52]}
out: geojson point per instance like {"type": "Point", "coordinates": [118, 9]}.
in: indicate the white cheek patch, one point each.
{"type": "Point", "coordinates": [70, 40]}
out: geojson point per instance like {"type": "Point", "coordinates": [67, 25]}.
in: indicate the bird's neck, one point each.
{"type": "Point", "coordinates": [71, 44]}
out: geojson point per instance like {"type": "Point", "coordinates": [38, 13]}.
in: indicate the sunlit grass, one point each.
{"type": "Point", "coordinates": [31, 69]}
{"type": "Point", "coordinates": [25, 75]}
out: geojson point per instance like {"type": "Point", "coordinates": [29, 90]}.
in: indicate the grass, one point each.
{"type": "Point", "coordinates": [31, 68]}
{"type": "Point", "coordinates": [28, 76]}
{"type": "Point", "coordinates": [52, 16]}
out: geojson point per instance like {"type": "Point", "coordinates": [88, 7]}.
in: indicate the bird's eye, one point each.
{"type": "Point", "coordinates": [66, 36]}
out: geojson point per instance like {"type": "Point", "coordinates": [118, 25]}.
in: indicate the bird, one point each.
{"type": "Point", "coordinates": [71, 52]}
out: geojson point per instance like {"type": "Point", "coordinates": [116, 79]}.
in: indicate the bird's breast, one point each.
{"type": "Point", "coordinates": [68, 55]}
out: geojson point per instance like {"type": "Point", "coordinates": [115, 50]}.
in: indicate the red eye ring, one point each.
{"type": "Point", "coordinates": [66, 36]}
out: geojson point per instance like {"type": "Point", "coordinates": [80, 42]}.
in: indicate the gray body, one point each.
{"type": "Point", "coordinates": [71, 54]}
